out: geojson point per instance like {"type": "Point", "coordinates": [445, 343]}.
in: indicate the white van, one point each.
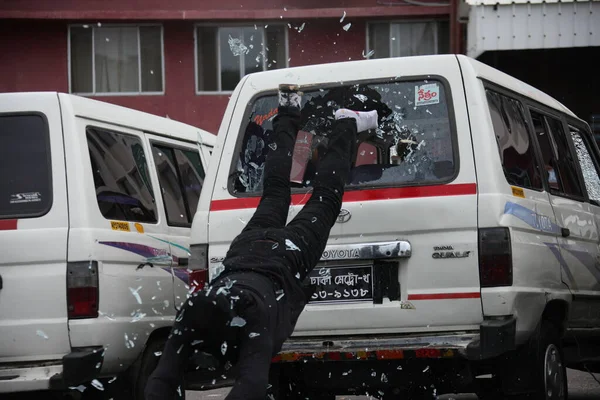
{"type": "Point", "coordinates": [96, 205]}
{"type": "Point", "coordinates": [474, 253]}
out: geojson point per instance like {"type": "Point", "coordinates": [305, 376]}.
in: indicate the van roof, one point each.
{"type": "Point", "coordinates": [127, 117]}
{"type": "Point", "coordinates": [365, 69]}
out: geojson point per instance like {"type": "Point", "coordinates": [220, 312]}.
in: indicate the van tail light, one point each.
{"type": "Point", "coordinates": [495, 257]}
{"type": "Point", "coordinates": [82, 289]}
{"type": "Point", "coordinates": [198, 266]}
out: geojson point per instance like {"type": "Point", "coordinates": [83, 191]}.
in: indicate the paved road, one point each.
{"type": "Point", "coordinates": [582, 386]}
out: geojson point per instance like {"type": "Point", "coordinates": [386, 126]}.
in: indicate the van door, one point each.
{"type": "Point", "coordinates": [33, 230]}
{"type": "Point", "coordinates": [403, 254]}
{"type": "Point", "coordinates": [586, 290]}
{"type": "Point", "coordinates": [120, 225]}
{"type": "Point", "coordinates": [181, 175]}
{"type": "Point", "coordinates": [575, 216]}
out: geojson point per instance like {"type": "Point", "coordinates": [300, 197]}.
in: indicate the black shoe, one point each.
{"type": "Point", "coordinates": [290, 96]}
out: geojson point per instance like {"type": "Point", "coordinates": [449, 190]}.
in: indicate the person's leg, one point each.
{"type": "Point", "coordinates": [273, 208]}
{"type": "Point", "coordinates": [256, 350]}
{"type": "Point", "coordinates": [189, 330]}
{"type": "Point", "coordinates": [313, 223]}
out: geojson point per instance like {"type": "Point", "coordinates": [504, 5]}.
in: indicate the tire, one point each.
{"type": "Point", "coordinates": [536, 371]}
{"type": "Point", "coordinates": [550, 369]}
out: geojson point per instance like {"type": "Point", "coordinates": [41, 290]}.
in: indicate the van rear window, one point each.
{"type": "Point", "coordinates": [414, 144]}
{"type": "Point", "coordinates": [25, 169]}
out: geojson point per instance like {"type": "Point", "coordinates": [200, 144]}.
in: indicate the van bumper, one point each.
{"type": "Point", "coordinates": [495, 337]}
{"type": "Point", "coordinates": [79, 366]}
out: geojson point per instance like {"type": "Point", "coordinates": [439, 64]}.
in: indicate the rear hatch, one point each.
{"type": "Point", "coordinates": [33, 230]}
{"type": "Point", "coordinates": [403, 255]}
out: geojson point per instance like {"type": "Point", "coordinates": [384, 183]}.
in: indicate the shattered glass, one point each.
{"type": "Point", "coordinates": [413, 143]}
{"type": "Point", "coordinates": [588, 169]}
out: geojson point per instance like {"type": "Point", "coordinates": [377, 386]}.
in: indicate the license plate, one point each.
{"type": "Point", "coordinates": [341, 284]}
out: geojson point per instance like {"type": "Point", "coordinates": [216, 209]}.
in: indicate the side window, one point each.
{"type": "Point", "coordinates": [121, 176]}
{"type": "Point", "coordinates": [559, 164]}
{"type": "Point", "coordinates": [170, 188]}
{"type": "Point", "coordinates": [567, 166]}
{"type": "Point", "coordinates": [181, 176]}
{"type": "Point", "coordinates": [514, 144]}
{"type": "Point", "coordinates": [548, 150]}
{"type": "Point", "coordinates": [589, 170]}
{"type": "Point", "coordinates": [192, 177]}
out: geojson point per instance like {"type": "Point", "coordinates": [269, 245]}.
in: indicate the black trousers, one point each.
{"type": "Point", "coordinates": [249, 310]}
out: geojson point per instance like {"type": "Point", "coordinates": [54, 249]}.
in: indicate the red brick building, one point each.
{"type": "Point", "coordinates": [182, 58]}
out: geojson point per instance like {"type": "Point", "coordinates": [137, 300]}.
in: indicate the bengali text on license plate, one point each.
{"type": "Point", "coordinates": [339, 284]}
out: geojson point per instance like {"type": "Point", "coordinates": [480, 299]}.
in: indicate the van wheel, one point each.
{"type": "Point", "coordinates": [545, 355]}
{"type": "Point", "coordinates": [551, 370]}
{"type": "Point", "coordinates": [148, 363]}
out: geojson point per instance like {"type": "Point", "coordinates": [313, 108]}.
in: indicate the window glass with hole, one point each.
{"type": "Point", "coordinates": [413, 144]}
{"type": "Point", "coordinates": [121, 176]}
{"type": "Point", "coordinates": [589, 169]}
{"type": "Point", "coordinates": [516, 150]}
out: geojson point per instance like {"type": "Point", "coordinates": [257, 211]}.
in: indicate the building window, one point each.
{"type": "Point", "coordinates": [401, 39]}
{"type": "Point", "coordinates": [119, 59]}
{"type": "Point", "coordinates": [225, 54]}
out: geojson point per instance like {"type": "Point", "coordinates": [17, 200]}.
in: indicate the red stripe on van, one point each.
{"type": "Point", "coordinates": [8, 224]}
{"type": "Point", "coordinates": [457, 189]}
{"type": "Point", "coordinates": [444, 296]}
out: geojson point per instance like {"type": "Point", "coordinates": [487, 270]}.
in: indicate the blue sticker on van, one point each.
{"type": "Point", "coordinates": [544, 223]}
{"type": "Point", "coordinates": [538, 221]}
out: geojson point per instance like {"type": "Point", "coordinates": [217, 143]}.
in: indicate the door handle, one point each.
{"type": "Point", "coordinates": [142, 265]}
{"type": "Point", "coordinates": [0, 281]}
{"type": "Point", "coordinates": [565, 232]}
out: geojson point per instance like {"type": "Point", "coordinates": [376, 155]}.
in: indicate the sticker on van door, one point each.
{"type": "Point", "coordinates": [427, 94]}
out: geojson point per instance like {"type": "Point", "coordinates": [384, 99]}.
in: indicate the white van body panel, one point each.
{"type": "Point", "coordinates": [133, 301]}
{"type": "Point", "coordinates": [136, 300]}
{"type": "Point", "coordinates": [536, 279]}
{"type": "Point", "coordinates": [421, 292]}
{"type": "Point", "coordinates": [33, 300]}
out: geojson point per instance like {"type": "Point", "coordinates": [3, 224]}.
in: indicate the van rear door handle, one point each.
{"type": "Point", "coordinates": [565, 232]}
{"type": "Point", "coordinates": [367, 251]}
{"type": "Point", "coordinates": [0, 281]}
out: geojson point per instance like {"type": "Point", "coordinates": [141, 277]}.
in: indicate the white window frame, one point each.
{"type": "Point", "coordinates": [100, 94]}
{"type": "Point", "coordinates": [260, 25]}
{"type": "Point", "coordinates": [403, 21]}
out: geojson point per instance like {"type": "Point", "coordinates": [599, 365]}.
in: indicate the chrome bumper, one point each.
{"type": "Point", "coordinates": [377, 348]}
